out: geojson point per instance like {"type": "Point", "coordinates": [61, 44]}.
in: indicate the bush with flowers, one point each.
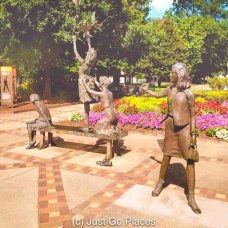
{"type": "Point", "coordinates": [204, 106]}
{"type": "Point", "coordinates": [221, 133]}
{"type": "Point", "coordinates": [215, 95]}
{"type": "Point", "coordinates": [133, 105]}
{"type": "Point", "coordinates": [77, 117]}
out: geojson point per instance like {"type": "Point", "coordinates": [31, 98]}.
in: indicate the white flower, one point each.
{"type": "Point", "coordinates": [222, 134]}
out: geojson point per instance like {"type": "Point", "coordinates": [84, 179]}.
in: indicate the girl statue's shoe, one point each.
{"type": "Point", "coordinates": [158, 188]}
{"type": "Point", "coordinates": [192, 203]}
{"type": "Point", "coordinates": [104, 162]}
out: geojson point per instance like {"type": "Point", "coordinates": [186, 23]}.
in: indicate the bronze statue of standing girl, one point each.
{"type": "Point", "coordinates": [179, 128]}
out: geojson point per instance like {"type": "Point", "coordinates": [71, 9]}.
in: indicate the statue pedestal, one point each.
{"type": "Point", "coordinates": [8, 85]}
{"type": "Point", "coordinates": [7, 99]}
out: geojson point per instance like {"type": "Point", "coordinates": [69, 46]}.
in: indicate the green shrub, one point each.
{"type": "Point", "coordinates": [77, 117]}
{"type": "Point", "coordinates": [25, 90]}
{"type": "Point", "coordinates": [24, 94]}
{"type": "Point", "coordinates": [211, 132]}
{"type": "Point", "coordinates": [217, 83]}
{"type": "Point", "coordinates": [197, 131]}
{"type": "Point", "coordinates": [221, 133]}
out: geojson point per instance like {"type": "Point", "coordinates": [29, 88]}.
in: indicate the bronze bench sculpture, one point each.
{"type": "Point", "coordinates": [112, 140]}
{"type": "Point", "coordinates": [105, 129]}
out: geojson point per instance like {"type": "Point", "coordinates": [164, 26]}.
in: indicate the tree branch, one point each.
{"type": "Point", "coordinates": [88, 40]}
{"type": "Point", "coordinates": [77, 7]}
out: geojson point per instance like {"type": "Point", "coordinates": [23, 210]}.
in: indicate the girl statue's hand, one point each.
{"type": "Point", "coordinates": [144, 86]}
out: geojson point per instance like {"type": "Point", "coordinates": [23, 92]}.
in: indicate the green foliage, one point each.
{"type": "Point", "coordinates": [206, 42]}
{"type": "Point", "coordinates": [77, 117]}
{"type": "Point", "coordinates": [197, 131]}
{"type": "Point", "coordinates": [25, 90]}
{"type": "Point", "coordinates": [159, 45]}
{"type": "Point", "coordinates": [36, 36]}
{"type": "Point", "coordinates": [216, 9]}
{"type": "Point", "coordinates": [28, 29]}
{"type": "Point", "coordinates": [217, 83]}
{"type": "Point", "coordinates": [211, 132]}
{"type": "Point", "coordinates": [221, 133]}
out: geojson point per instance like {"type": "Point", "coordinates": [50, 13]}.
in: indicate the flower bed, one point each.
{"type": "Point", "coordinates": [134, 105]}
{"type": "Point", "coordinates": [147, 113]}
{"type": "Point", "coordinates": [207, 121]}
{"type": "Point", "coordinates": [141, 120]}
{"type": "Point", "coordinates": [215, 95]}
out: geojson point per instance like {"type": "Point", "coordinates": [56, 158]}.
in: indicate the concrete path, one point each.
{"type": "Point", "coordinates": [60, 186]}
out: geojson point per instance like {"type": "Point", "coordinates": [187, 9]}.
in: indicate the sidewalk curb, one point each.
{"type": "Point", "coordinates": [33, 109]}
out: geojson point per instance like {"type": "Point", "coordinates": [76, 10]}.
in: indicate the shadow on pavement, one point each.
{"type": "Point", "coordinates": [99, 147]}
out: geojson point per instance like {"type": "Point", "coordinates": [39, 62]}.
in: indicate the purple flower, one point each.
{"type": "Point", "coordinates": [152, 120]}
{"type": "Point", "coordinates": [144, 120]}
{"type": "Point", "coordinates": [211, 120]}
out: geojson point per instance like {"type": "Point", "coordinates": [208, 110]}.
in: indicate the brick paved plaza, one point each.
{"type": "Point", "coordinates": [58, 185]}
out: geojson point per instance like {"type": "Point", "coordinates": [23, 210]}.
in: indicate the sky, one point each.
{"type": "Point", "coordinates": [158, 8]}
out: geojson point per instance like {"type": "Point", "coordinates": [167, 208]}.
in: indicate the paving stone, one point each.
{"type": "Point", "coordinates": [211, 175]}
{"type": "Point", "coordinates": [122, 163]}
{"type": "Point", "coordinates": [11, 125]}
{"type": "Point", "coordinates": [89, 191]}
{"type": "Point", "coordinates": [173, 203]}
{"type": "Point", "coordinates": [7, 139]}
{"type": "Point", "coordinates": [6, 174]}
{"type": "Point", "coordinates": [19, 202]}
{"type": "Point", "coordinates": [128, 217]}
{"type": "Point", "coordinates": [212, 149]}
{"type": "Point", "coordinates": [4, 160]}
{"type": "Point", "coordinates": [137, 141]}
{"type": "Point", "coordinates": [46, 153]}
{"type": "Point", "coordinates": [80, 187]}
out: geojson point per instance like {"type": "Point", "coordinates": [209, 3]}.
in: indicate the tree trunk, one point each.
{"type": "Point", "coordinates": [159, 83]}
{"type": "Point", "coordinates": [193, 7]}
{"type": "Point", "coordinates": [47, 78]}
{"type": "Point", "coordinates": [116, 80]}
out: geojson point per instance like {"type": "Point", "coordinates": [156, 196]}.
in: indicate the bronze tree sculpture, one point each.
{"type": "Point", "coordinates": [87, 63]}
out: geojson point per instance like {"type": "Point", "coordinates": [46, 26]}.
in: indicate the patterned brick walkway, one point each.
{"type": "Point", "coordinates": [53, 208]}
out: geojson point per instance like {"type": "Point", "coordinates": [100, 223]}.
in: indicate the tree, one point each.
{"type": "Point", "coordinates": [158, 45]}
{"type": "Point", "coordinates": [30, 26]}
{"type": "Point", "coordinates": [43, 30]}
{"type": "Point", "coordinates": [205, 39]}
{"type": "Point", "coordinates": [213, 8]}
{"type": "Point", "coordinates": [116, 17]}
